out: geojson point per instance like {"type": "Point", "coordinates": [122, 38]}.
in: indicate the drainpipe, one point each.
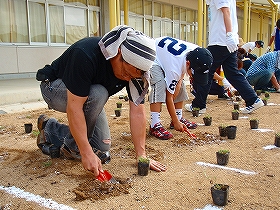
{"type": "Point", "coordinates": [125, 3]}
{"type": "Point", "coordinates": [205, 34]}
{"type": "Point", "coordinates": [113, 13]}
{"type": "Point", "coordinates": [200, 22]}
{"type": "Point", "coordinates": [245, 20]}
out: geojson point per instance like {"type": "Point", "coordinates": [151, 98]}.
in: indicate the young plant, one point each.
{"type": "Point", "coordinates": [266, 94]}
{"type": "Point", "coordinates": [119, 104]}
{"type": "Point", "coordinates": [277, 134]}
{"type": "Point", "coordinates": [195, 109]}
{"type": "Point", "coordinates": [143, 160]}
{"type": "Point", "coordinates": [235, 110]}
{"type": "Point", "coordinates": [207, 116]}
{"type": "Point", "coordinates": [223, 126]}
{"type": "Point", "coordinates": [265, 98]}
{"type": "Point", "coordinates": [220, 186]}
{"type": "Point", "coordinates": [223, 151]}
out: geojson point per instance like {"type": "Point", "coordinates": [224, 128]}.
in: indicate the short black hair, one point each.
{"type": "Point", "coordinates": [260, 42]}
{"type": "Point", "coordinates": [278, 23]}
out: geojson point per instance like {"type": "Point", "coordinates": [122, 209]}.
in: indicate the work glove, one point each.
{"type": "Point", "coordinates": [231, 45]}
{"type": "Point", "coordinates": [268, 49]}
{"type": "Point", "coordinates": [226, 84]}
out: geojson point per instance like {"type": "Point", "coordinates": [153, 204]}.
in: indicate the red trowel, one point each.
{"type": "Point", "coordinates": [106, 176]}
{"type": "Point", "coordinates": [190, 134]}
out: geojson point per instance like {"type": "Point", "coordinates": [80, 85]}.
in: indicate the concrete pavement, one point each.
{"type": "Point", "coordinates": [18, 95]}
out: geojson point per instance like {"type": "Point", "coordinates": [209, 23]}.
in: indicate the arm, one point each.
{"type": "Point", "coordinates": [275, 82]}
{"type": "Point", "coordinates": [230, 41]}
{"type": "Point", "coordinates": [271, 40]}
{"type": "Point", "coordinates": [178, 126]}
{"type": "Point", "coordinates": [138, 132]}
{"type": "Point", "coordinates": [227, 19]}
{"type": "Point", "coordinates": [78, 128]}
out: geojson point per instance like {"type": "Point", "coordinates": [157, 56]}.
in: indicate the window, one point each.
{"type": "Point", "coordinates": [57, 32]}
{"type": "Point", "coordinates": [37, 22]}
{"type": "Point", "coordinates": [48, 22]}
{"type": "Point", "coordinates": [13, 24]}
{"type": "Point", "coordinates": [162, 19]}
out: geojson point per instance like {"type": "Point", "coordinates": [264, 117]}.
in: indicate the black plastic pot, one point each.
{"type": "Point", "coordinates": [235, 115]}
{"type": "Point", "coordinates": [207, 121]}
{"type": "Point", "coordinates": [220, 196]}
{"type": "Point", "coordinates": [236, 106]}
{"type": "Point", "coordinates": [222, 159]}
{"type": "Point", "coordinates": [277, 141]}
{"type": "Point", "coordinates": [118, 112]}
{"type": "Point", "coordinates": [143, 168]}
{"type": "Point", "coordinates": [28, 127]}
{"type": "Point", "coordinates": [254, 124]}
{"type": "Point", "coordinates": [195, 113]}
{"type": "Point", "coordinates": [231, 131]}
{"type": "Point", "coordinates": [222, 131]}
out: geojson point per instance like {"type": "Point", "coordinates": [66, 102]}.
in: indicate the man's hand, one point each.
{"type": "Point", "coordinates": [157, 166]}
{"type": "Point", "coordinates": [92, 163]}
{"type": "Point", "coordinates": [231, 45]}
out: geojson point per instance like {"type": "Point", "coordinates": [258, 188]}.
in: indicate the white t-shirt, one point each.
{"type": "Point", "coordinates": [274, 31]}
{"type": "Point", "coordinates": [217, 29]}
{"type": "Point", "coordinates": [171, 57]}
{"type": "Point", "coordinates": [249, 46]}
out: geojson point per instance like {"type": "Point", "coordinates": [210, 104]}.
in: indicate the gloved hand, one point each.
{"type": "Point", "coordinates": [231, 45]}
{"type": "Point", "coordinates": [268, 49]}
{"type": "Point", "coordinates": [226, 84]}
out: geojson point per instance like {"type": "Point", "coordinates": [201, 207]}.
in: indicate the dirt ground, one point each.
{"type": "Point", "coordinates": [186, 183]}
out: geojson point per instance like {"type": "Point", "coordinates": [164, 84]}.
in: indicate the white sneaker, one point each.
{"type": "Point", "coordinates": [258, 103]}
{"type": "Point", "coordinates": [189, 109]}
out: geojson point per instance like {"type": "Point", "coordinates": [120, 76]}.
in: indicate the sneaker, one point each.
{"type": "Point", "coordinates": [225, 96]}
{"type": "Point", "coordinates": [189, 109]}
{"type": "Point", "coordinates": [258, 103]}
{"type": "Point", "coordinates": [66, 153]}
{"type": "Point", "coordinates": [159, 132]}
{"type": "Point", "coordinates": [42, 121]}
{"type": "Point", "coordinates": [71, 155]}
{"type": "Point", "coordinates": [190, 125]}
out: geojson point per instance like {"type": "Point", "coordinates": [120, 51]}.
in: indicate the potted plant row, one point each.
{"type": "Point", "coordinates": [227, 131]}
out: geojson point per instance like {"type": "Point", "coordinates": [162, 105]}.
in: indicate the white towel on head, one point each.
{"type": "Point", "coordinates": [137, 49]}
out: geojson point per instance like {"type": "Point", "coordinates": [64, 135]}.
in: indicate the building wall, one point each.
{"type": "Point", "coordinates": [18, 60]}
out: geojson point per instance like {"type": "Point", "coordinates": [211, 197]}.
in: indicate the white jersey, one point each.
{"type": "Point", "coordinates": [217, 29]}
{"type": "Point", "coordinates": [171, 57]}
{"type": "Point", "coordinates": [249, 46]}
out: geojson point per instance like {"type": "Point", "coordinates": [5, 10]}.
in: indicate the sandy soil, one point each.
{"type": "Point", "coordinates": [252, 172]}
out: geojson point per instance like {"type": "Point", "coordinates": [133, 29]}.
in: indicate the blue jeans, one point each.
{"type": "Point", "coordinates": [221, 56]}
{"type": "Point", "coordinates": [262, 81]}
{"type": "Point", "coordinates": [55, 95]}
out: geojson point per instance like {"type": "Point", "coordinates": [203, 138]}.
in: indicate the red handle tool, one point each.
{"type": "Point", "coordinates": [106, 176]}
{"type": "Point", "coordinates": [190, 134]}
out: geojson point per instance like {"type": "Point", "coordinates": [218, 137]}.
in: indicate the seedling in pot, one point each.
{"type": "Point", "coordinates": [223, 151]}
{"type": "Point", "coordinates": [143, 166]}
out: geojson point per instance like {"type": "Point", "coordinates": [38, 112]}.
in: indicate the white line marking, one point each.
{"type": "Point", "coordinates": [48, 203]}
{"type": "Point", "coordinates": [227, 168]}
{"type": "Point", "coordinates": [263, 130]}
{"type": "Point", "coordinates": [270, 147]}
{"type": "Point", "coordinates": [209, 207]}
